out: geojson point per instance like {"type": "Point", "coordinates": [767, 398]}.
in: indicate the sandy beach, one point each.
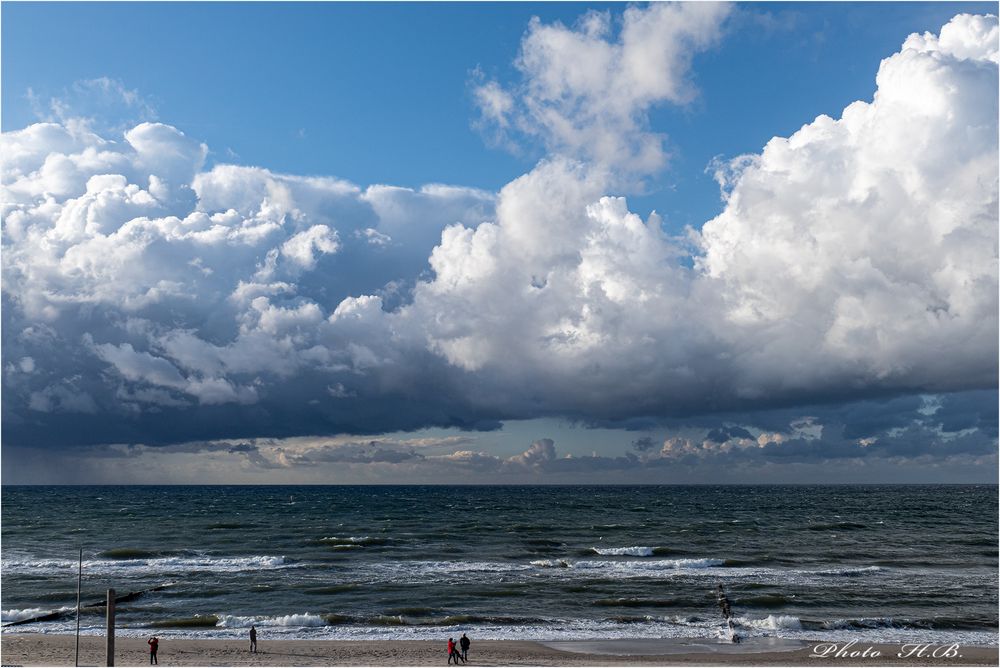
{"type": "Point", "coordinates": [58, 650]}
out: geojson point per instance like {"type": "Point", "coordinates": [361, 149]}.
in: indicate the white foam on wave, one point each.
{"type": "Point", "coordinates": [632, 568]}
{"type": "Point", "coordinates": [411, 568]}
{"type": "Point", "coordinates": [619, 569]}
{"type": "Point", "coordinates": [848, 572]}
{"type": "Point", "coordinates": [302, 620]}
{"type": "Point", "coordinates": [636, 551]}
{"type": "Point", "coordinates": [772, 623]}
{"type": "Point", "coordinates": [154, 565]}
{"type": "Point", "coordinates": [17, 615]}
{"type": "Point", "coordinates": [348, 540]}
{"type": "Point", "coordinates": [658, 565]}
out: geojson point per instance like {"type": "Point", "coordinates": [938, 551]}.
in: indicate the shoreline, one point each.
{"type": "Point", "coordinates": [59, 650]}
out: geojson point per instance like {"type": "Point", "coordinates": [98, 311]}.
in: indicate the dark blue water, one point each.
{"type": "Point", "coordinates": [886, 563]}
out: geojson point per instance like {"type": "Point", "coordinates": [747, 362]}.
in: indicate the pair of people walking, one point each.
{"type": "Point", "coordinates": [461, 651]}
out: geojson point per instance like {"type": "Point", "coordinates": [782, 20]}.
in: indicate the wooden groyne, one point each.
{"type": "Point", "coordinates": [90, 607]}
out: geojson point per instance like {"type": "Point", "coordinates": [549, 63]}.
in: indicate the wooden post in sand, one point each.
{"type": "Point", "coordinates": [79, 581]}
{"type": "Point", "coordinates": [111, 627]}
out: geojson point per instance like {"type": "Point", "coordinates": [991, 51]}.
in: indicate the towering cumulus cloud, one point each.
{"type": "Point", "coordinates": [865, 244]}
{"type": "Point", "coordinates": [149, 299]}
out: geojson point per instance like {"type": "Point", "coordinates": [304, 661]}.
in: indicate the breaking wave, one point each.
{"type": "Point", "coordinates": [159, 565]}
{"type": "Point", "coordinates": [358, 541]}
{"type": "Point", "coordinates": [771, 623]}
{"type": "Point", "coordinates": [623, 551]}
{"type": "Point", "coordinates": [20, 614]}
{"type": "Point", "coordinates": [849, 572]}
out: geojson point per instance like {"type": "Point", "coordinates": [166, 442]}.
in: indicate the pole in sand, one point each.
{"type": "Point", "coordinates": [79, 580]}
{"type": "Point", "coordinates": [111, 627]}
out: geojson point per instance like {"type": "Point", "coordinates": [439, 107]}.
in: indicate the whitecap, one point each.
{"type": "Point", "coordinates": [772, 623]}
{"type": "Point", "coordinates": [301, 620]}
{"type": "Point", "coordinates": [850, 572]}
{"type": "Point", "coordinates": [637, 551]}
{"type": "Point", "coordinates": [17, 615]}
{"type": "Point", "coordinates": [154, 565]}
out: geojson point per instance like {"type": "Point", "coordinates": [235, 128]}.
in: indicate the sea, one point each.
{"type": "Point", "coordinates": [838, 563]}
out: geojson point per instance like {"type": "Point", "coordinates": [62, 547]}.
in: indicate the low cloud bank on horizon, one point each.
{"type": "Point", "coordinates": [149, 300]}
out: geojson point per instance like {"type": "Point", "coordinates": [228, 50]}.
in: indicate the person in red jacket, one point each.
{"type": "Point", "coordinates": [154, 642]}
{"type": "Point", "coordinates": [453, 653]}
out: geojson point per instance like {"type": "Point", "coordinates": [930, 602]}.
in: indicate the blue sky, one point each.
{"type": "Point", "coordinates": [390, 94]}
{"type": "Point", "coordinates": [381, 94]}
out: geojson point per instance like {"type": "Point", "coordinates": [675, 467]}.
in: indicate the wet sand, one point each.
{"type": "Point", "coordinates": [55, 650]}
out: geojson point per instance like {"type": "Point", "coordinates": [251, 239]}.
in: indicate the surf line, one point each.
{"type": "Point", "coordinates": [59, 614]}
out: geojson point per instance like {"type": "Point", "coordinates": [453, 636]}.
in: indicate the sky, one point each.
{"type": "Point", "coordinates": [499, 243]}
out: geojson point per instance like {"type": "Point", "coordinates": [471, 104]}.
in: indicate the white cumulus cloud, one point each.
{"type": "Point", "coordinates": [857, 256]}
{"type": "Point", "coordinates": [587, 89]}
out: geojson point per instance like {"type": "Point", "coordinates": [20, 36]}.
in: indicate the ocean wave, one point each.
{"type": "Point", "coordinates": [130, 553]}
{"type": "Point", "coordinates": [936, 623]}
{"type": "Point", "coordinates": [636, 551]}
{"type": "Point", "coordinates": [449, 620]}
{"type": "Point", "coordinates": [20, 614]}
{"type": "Point", "coordinates": [330, 589]}
{"type": "Point", "coordinates": [771, 623]}
{"type": "Point", "coordinates": [623, 627]}
{"type": "Point", "coordinates": [353, 540]}
{"type": "Point", "coordinates": [450, 568]}
{"type": "Point", "coordinates": [765, 601]}
{"type": "Point", "coordinates": [658, 565]}
{"type": "Point", "coordinates": [860, 623]}
{"type": "Point", "coordinates": [387, 620]}
{"type": "Point", "coordinates": [837, 526]}
{"type": "Point", "coordinates": [412, 611]}
{"type": "Point", "coordinates": [637, 603]}
{"type": "Point", "coordinates": [334, 619]}
{"type": "Point", "coordinates": [542, 542]}
{"type": "Point", "coordinates": [198, 621]}
{"type": "Point", "coordinates": [157, 565]}
{"type": "Point", "coordinates": [847, 572]}
{"type": "Point", "coordinates": [500, 593]}
{"type": "Point", "coordinates": [230, 525]}
{"type": "Point", "coordinates": [629, 568]}
{"type": "Point", "coordinates": [303, 620]}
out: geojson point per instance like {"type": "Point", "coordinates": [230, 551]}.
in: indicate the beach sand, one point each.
{"type": "Point", "coordinates": [55, 650]}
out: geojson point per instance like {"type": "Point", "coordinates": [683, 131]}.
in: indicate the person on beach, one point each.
{"type": "Point", "coordinates": [154, 643]}
{"type": "Point", "coordinates": [253, 638]}
{"type": "Point", "coordinates": [453, 652]}
{"type": "Point", "coordinates": [464, 643]}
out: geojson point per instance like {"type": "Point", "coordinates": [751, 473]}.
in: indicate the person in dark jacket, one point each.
{"type": "Point", "coordinates": [253, 638]}
{"type": "Point", "coordinates": [464, 643]}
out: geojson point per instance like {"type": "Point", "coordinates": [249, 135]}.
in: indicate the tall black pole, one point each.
{"type": "Point", "coordinates": [111, 628]}
{"type": "Point", "coordinates": [79, 580]}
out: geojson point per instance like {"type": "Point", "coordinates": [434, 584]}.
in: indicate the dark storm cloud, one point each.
{"type": "Point", "coordinates": [643, 444]}
{"type": "Point", "coordinates": [723, 434]}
